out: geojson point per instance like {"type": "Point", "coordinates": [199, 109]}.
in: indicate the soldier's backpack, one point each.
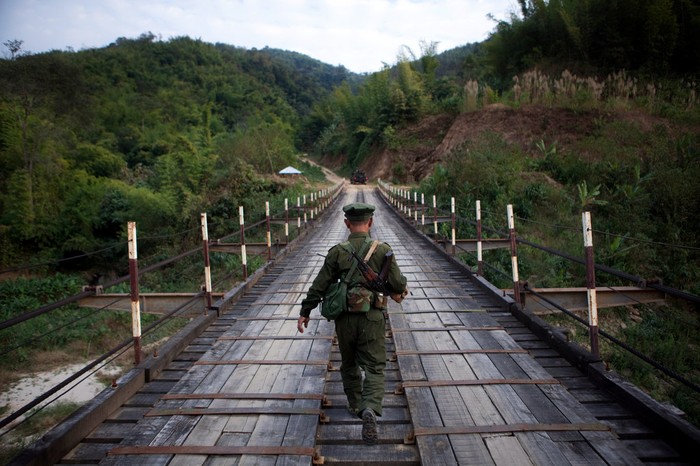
{"type": "Point", "coordinates": [335, 302]}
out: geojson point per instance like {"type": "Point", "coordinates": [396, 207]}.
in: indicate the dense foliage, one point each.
{"type": "Point", "coordinates": [655, 37]}
{"type": "Point", "coordinates": [143, 130]}
{"type": "Point", "coordinates": [156, 132]}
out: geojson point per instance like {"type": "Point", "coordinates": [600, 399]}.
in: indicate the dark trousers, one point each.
{"type": "Point", "coordinates": [362, 346]}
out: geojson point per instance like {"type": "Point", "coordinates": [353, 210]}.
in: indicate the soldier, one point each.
{"type": "Point", "coordinates": [361, 330]}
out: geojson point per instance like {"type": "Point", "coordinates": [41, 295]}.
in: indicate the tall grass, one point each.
{"type": "Point", "coordinates": [618, 90]}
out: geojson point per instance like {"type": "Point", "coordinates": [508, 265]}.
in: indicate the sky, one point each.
{"type": "Point", "coordinates": [361, 35]}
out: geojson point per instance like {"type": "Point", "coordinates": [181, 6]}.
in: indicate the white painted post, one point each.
{"type": "Point", "coordinates": [244, 257]}
{"type": "Point", "coordinates": [286, 221]}
{"type": "Point", "coordinates": [435, 215]}
{"type": "Point", "coordinates": [268, 235]}
{"type": "Point", "coordinates": [479, 246]}
{"type": "Point", "coordinates": [134, 282]}
{"type": "Point", "coordinates": [454, 227]}
{"type": "Point", "coordinates": [415, 207]}
{"type": "Point", "coordinates": [513, 254]}
{"type": "Point", "coordinates": [298, 215]}
{"type": "Point", "coordinates": [422, 209]}
{"type": "Point", "coordinates": [590, 284]}
{"type": "Point", "coordinates": [313, 206]}
{"type": "Point", "coordinates": [207, 263]}
{"type": "Point", "coordinates": [304, 210]}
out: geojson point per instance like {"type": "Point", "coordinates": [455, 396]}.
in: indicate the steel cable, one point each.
{"type": "Point", "coordinates": [671, 373]}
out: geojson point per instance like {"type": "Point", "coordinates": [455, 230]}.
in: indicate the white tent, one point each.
{"type": "Point", "coordinates": [289, 171]}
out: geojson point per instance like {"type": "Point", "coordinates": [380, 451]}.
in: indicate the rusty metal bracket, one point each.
{"type": "Point", "coordinates": [255, 318]}
{"type": "Point", "coordinates": [464, 351]}
{"type": "Point", "coordinates": [510, 428]}
{"type": "Point", "coordinates": [393, 357]}
{"type": "Point", "coordinates": [317, 458]}
{"type": "Point", "coordinates": [409, 438]}
{"type": "Point", "coordinates": [326, 402]}
{"type": "Point", "coordinates": [278, 303]}
{"type": "Point", "coordinates": [215, 450]}
{"type": "Point", "coordinates": [399, 389]}
{"type": "Point", "coordinates": [262, 362]}
{"type": "Point", "coordinates": [436, 311]}
{"type": "Point", "coordinates": [477, 382]}
{"type": "Point", "coordinates": [423, 298]}
{"type": "Point", "coordinates": [447, 328]}
{"type": "Point", "coordinates": [323, 419]}
{"type": "Point", "coordinates": [242, 396]}
{"type": "Point", "coordinates": [278, 337]}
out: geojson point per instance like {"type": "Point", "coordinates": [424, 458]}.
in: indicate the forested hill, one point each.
{"type": "Point", "coordinates": [143, 129]}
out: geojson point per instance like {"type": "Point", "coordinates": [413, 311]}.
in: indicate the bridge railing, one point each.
{"type": "Point", "coordinates": [268, 232]}
{"type": "Point", "coordinates": [444, 225]}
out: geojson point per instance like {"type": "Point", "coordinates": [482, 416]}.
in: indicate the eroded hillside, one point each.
{"type": "Point", "coordinates": [419, 147]}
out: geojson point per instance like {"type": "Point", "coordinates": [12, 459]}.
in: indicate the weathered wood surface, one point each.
{"type": "Point", "coordinates": [446, 333]}
{"type": "Point", "coordinates": [260, 354]}
{"type": "Point", "coordinates": [443, 343]}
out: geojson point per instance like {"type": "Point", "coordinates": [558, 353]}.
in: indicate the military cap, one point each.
{"type": "Point", "coordinates": [358, 211]}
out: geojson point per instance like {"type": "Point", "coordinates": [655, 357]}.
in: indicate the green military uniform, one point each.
{"type": "Point", "coordinates": [360, 334]}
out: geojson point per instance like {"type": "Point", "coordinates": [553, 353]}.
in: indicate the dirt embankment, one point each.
{"type": "Point", "coordinates": [425, 143]}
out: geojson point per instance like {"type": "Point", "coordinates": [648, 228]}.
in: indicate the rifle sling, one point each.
{"type": "Point", "coordinates": [353, 268]}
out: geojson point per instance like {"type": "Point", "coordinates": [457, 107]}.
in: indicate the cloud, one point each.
{"type": "Point", "coordinates": [359, 34]}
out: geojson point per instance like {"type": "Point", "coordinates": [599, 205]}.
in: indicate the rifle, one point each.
{"type": "Point", "coordinates": [373, 281]}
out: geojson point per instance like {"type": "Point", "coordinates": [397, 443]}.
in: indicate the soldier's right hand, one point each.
{"type": "Point", "coordinates": [398, 297]}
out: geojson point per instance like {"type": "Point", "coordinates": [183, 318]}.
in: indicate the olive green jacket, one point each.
{"type": "Point", "coordinates": [338, 261]}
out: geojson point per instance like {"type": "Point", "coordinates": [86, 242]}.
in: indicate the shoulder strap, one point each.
{"type": "Point", "coordinates": [353, 268]}
{"type": "Point", "coordinates": [373, 248]}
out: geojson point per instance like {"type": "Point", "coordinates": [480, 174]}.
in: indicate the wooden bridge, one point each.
{"type": "Point", "coordinates": [467, 382]}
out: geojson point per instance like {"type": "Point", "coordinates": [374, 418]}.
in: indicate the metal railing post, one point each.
{"type": "Point", "coordinates": [454, 226]}
{"type": "Point", "coordinates": [415, 208]}
{"type": "Point", "coordinates": [286, 221]}
{"type": "Point", "coordinates": [244, 258]}
{"type": "Point", "coordinates": [479, 250]}
{"type": "Point", "coordinates": [134, 285]}
{"type": "Point", "coordinates": [305, 211]}
{"type": "Point", "coordinates": [590, 284]}
{"type": "Point", "coordinates": [207, 263]}
{"type": "Point", "coordinates": [298, 216]}
{"type": "Point", "coordinates": [435, 215]}
{"type": "Point", "coordinates": [514, 255]}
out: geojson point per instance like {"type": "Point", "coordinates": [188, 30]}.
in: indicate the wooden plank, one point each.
{"type": "Point", "coordinates": [381, 454]}
{"type": "Point", "coordinates": [128, 415]}
{"type": "Point", "coordinates": [605, 444]}
{"type": "Point", "coordinates": [424, 412]}
{"type": "Point", "coordinates": [228, 411]}
{"type": "Point", "coordinates": [174, 432]}
{"type": "Point", "coordinates": [538, 446]}
{"type": "Point", "coordinates": [262, 362]}
{"type": "Point", "coordinates": [87, 453]}
{"type": "Point", "coordinates": [510, 428]}
{"type": "Point", "coordinates": [428, 446]}
{"type": "Point", "coordinates": [301, 430]}
{"type": "Point", "coordinates": [351, 434]}
{"type": "Point", "coordinates": [507, 451]}
{"type": "Point", "coordinates": [581, 454]}
{"type": "Point", "coordinates": [206, 432]}
{"type": "Point", "coordinates": [210, 450]}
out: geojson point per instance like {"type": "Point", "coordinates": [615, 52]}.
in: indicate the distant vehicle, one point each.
{"type": "Point", "coordinates": [358, 177]}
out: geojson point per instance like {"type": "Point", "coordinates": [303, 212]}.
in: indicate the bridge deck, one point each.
{"type": "Point", "coordinates": [460, 389]}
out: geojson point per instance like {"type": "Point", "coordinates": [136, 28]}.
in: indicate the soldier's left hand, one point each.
{"type": "Point", "coordinates": [302, 323]}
